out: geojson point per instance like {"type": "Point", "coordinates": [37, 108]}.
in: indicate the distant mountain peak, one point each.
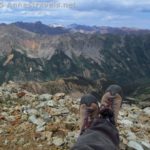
{"type": "Point", "coordinates": [56, 25]}
{"type": "Point", "coordinates": [40, 28]}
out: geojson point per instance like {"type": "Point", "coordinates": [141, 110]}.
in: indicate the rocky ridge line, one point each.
{"type": "Point", "coordinates": [33, 121]}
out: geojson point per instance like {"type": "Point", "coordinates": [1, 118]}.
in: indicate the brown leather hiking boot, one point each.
{"type": "Point", "coordinates": [112, 100]}
{"type": "Point", "coordinates": [89, 110]}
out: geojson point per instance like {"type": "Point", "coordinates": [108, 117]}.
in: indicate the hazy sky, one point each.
{"type": "Point", "coordinates": [117, 13]}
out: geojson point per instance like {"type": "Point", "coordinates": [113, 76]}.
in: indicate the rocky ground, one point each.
{"type": "Point", "coordinates": [50, 122]}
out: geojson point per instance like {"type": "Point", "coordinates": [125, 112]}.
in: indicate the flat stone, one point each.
{"type": "Point", "coordinates": [126, 122]}
{"type": "Point", "coordinates": [51, 103]}
{"type": "Point", "coordinates": [1, 131]}
{"type": "Point", "coordinates": [58, 141]}
{"type": "Point", "coordinates": [37, 121]}
{"type": "Point", "coordinates": [45, 97]}
{"type": "Point", "coordinates": [46, 117]}
{"type": "Point", "coordinates": [147, 111]}
{"type": "Point", "coordinates": [41, 104]}
{"type": "Point", "coordinates": [135, 145]}
{"type": "Point", "coordinates": [131, 136]}
{"type": "Point", "coordinates": [40, 128]}
{"type": "Point", "coordinates": [5, 142]}
{"type": "Point", "coordinates": [32, 112]}
{"type": "Point", "coordinates": [145, 145]}
{"type": "Point", "coordinates": [4, 114]}
{"type": "Point", "coordinates": [62, 102]}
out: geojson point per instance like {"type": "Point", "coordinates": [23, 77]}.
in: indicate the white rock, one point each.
{"type": "Point", "coordinates": [47, 117]}
{"type": "Point", "coordinates": [14, 96]}
{"type": "Point", "coordinates": [45, 97]}
{"type": "Point", "coordinates": [51, 103]}
{"type": "Point", "coordinates": [4, 114]}
{"type": "Point", "coordinates": [32, 112]}
{"type": "Point", "coordinates": [71, 134]}
{"type": "Point", "coordinates": [146, 145]}
{"type": "Point", "coordinates": [41, 105]}
{"type": "Point", "coordinates": [1, 131]}
{"type": "Point", "coordinates": [62, 102]}
{"type": "Point", "coordinates": [40, 128]}
{"type": "Point", "coordinates": [57, 141]}
{"type": "Point", "coordinates": [135, 145]}
{"type": "Point", "coordinates": [6, 142]}
{"type": "Point", "coordinates": [147, 111]}
{"type": "Point", "coordinates": [131, 136]}
{"type": "Point", "coordinates": [37, 121]}
{"type": "Point", "coordinates": [126, 122]}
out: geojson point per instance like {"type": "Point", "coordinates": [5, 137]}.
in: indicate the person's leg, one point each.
{"type": "Point", "coordinates": [102, 133]}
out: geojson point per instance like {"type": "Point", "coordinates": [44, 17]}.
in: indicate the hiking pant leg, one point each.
{"type": "Point", "coordinates": [102, 135]}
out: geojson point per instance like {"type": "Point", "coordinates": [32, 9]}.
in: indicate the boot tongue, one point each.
{"type": "Point", "coordinates": [108, 115]}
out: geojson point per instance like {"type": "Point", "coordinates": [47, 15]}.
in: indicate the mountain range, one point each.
{"type": "Point", "coordinates": [56, 29]}
{"type": "Point", "coordinates": [39, 52]}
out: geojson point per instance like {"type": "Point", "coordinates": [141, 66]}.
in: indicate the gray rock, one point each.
{"type": "Point", "coordinates": [145, 145]}
{"type": "Point", "coordinates": [37, 121]}
{"type": "Point", "coordinates": [46, 117]}
{"type": "Point", "coordinates": [51, 103]}
{"type": "Point", "coordinates": [32, 112]}
{"type": "Point", "coordinates": [40, 128]}
{"type": "Point", "coordinates": [126, 122]}
{"type": "Point", "coordinates": [71, 138]}
{"type": "Point", "coordinates": [62, 102]}
{"type": "Point", "coordinates": [135, 145]}
{"type": "Point", "coordinates": [58, 141]}
{"type": "Point", "coordinates": [41, 104]}
{"type": "Point", "coordinates": [13, 96]}
{"type": "Point", "coordinates": [45, 97]}
{"type": "Point", "coordinates": [6, 142]}
{"type": "Point", "coordinates": [147, 111]}
{"type": "Point", "coordinates": [11, 118]}
{"type": "Point", "coordinates": [1, 131]}
{"type": "Point", "coordinates": [131, 136]}
{"type": "Point", "coordinates": [5, 114]}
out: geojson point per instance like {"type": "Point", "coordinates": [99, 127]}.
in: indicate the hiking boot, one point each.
{"type": "Point", "coordinates": [89, 110]}
{"type": "Point", "coordinates": [112, 103]}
